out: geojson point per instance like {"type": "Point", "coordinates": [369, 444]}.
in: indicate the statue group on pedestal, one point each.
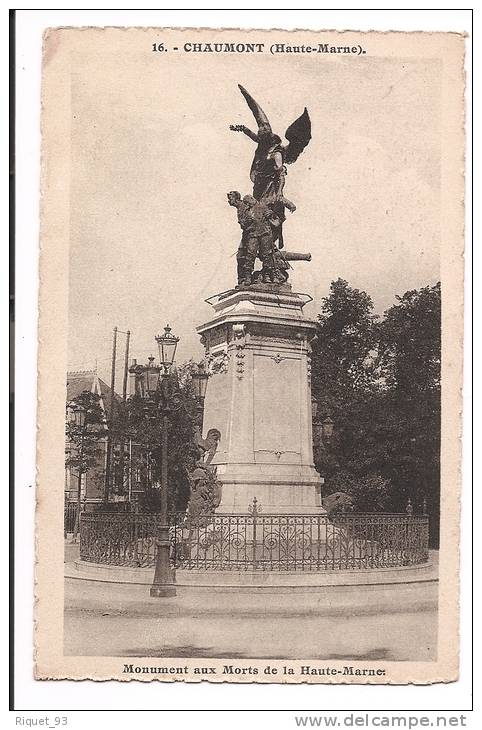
{"type": "Point", "coordinates": [262, 214]}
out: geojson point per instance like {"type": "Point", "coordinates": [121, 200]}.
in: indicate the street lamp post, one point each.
{"type": "Point", "coordinates": [200, 381]}
{"type": "Point", "coordinates": [164, 576]}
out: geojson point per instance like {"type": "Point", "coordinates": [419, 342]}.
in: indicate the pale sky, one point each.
{"type": "Point", "coordinates": [152, 235]}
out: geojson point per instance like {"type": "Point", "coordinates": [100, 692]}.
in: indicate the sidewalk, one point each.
{"type": "Point", "coordinates": [358, 622]}
{"type": "Point", "coordinates": [134, 600]}
{"type": "Point", "coordinates": [71, 550]}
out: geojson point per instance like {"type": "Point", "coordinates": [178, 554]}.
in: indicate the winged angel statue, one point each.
{"type": "Point", "coordinates": [265, 209]}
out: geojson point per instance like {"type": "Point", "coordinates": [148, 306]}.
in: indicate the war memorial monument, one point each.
{"type": "Point", "coordinates": [255, 514]}
{"type": "Point", "coordinates": [258, 347]}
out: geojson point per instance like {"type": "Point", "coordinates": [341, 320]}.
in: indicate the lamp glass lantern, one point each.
{"type": "Point", "coordinates": [200, 381]}
{"type": "Point", "coordinates": [167, 344]}
{"type": "Point", "coordinates": [327, 427]}
{"type": "Point", "coordinates": [79, 416]}
{"type": "Point", "coordinates": [150, 376]}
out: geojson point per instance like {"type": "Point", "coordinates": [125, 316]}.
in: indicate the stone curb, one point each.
{"type": "Point", "coordinates": [272, 581]}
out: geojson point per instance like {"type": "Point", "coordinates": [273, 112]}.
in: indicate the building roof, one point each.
{"type": "Point", "coordinates": [80, 380]}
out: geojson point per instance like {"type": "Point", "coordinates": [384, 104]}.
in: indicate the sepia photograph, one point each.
{"type": "Point", "coordinates": [250, 366]}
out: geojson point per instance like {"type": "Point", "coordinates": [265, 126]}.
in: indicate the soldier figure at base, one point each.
{"type": "Point", "coordinates": [257, 221]}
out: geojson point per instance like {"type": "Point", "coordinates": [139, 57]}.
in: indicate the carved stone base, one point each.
{"type": "Point", "coordinates": [259, 397]}
{"type": "Point", "coordinates": [273, 498]}
{"type": "Point", "coordinates": [260, 286]}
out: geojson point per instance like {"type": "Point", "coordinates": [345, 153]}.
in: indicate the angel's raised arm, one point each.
{"type": "Point", "coordinates": [245, 130]}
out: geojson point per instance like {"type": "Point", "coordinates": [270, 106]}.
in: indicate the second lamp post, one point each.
{"type": "Point", "coordinates": [164, 576]}
{"type": "Point", "coordinates": [158, 390]}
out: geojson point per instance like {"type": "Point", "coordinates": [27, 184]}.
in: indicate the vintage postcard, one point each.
{"type": "Point", "coordinates": [250, 368]}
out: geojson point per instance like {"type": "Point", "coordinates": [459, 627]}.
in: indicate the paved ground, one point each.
{"type": "Point", "coordinates": [359, 623]}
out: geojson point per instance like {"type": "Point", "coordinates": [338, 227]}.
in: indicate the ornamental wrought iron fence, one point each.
{"type": "Point", "coordinates": [70, 512]}
{"type": "Point", "coordinates": [118, 538]}
{"type": "Point", "coordinates": [258, 542]}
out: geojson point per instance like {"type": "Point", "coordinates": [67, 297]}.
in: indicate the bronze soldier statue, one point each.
{"type": "Point", "coordinates": [257, 220]}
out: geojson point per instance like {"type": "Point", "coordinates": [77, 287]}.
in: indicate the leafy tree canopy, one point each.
{"type": "Point", "coordinates": [85, 427]}
{"type": "Point", "coordinates": [142, 423]}
{"type": "Point", "coordinates": [410, 342]}
{"type": "Point", "coordinates": [379, 380]}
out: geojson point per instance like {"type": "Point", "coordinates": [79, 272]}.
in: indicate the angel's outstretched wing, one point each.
{"type": "Point", "coordinates": [261, 118]}
{"type": "Point", "coordinates": [298, 135]}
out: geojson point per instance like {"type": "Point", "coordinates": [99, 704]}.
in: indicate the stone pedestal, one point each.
{"type": "Point", "coordinates": [259, 398]}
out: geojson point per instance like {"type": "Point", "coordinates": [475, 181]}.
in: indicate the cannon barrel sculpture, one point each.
{"type": "Point", "coordinates": [294, 256]}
